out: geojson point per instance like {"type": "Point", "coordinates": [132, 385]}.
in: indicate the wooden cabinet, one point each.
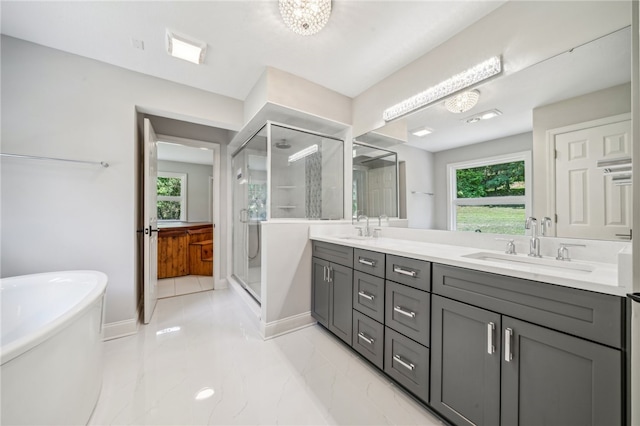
{"type": "Point", "coordinates": [184, 250]}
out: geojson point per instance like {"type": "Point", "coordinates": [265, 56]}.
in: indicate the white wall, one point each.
{"type": "Point", "coordinates": [60, 216]}
{"type": "Point", "coordinates": [198, 197]}
{"type": "Point", "coordinates": [420, 178]}
{"type": "Point", "coordinates": [507, 145]}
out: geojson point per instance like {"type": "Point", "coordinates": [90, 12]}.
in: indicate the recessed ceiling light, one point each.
{"type": "Point", "coordinates": [422, 132]}
{"type": "Point", "coordinates": [486, 115]}
{"type": "Point", "coordinates": [186, 48]}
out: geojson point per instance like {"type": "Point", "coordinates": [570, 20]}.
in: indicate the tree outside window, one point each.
{"type": "Point", "coordinates": [172, 196]}
{"type": "Point", "coordinates": [490, 195]}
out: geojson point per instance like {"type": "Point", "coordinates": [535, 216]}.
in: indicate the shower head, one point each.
{"type": "Point", "coordinates": [283, 144]}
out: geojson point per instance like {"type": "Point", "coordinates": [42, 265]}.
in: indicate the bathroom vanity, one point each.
{"type": "Point", "coordinates": [478, 337]}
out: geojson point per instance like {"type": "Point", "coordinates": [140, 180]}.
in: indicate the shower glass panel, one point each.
{"type": "Point", "coordinates": [249, 166]}
{"type": "Point", "coordinates": [307, 174]}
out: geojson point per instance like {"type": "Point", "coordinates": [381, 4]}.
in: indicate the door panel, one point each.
{"type": "Point", "coordinates": [465, 377]}
{"type": "Point", "coordinates": [553, 378]}
{"type": "Point", "coordinates": [341, 302]}
{"type": "Point", "coordinates": [150, 220]}
{"type": "Point", "coordinates": [320, 292]}
{"type": "Point", "coordinates": [588, 204]}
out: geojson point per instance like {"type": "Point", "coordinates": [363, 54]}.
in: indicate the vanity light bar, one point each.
{"type": "Point", "coordinates": [463, 80]}
{"type": "Point", "coordinates": [303, 153]}
{"type": "Point", "coordinates": [608, 165]}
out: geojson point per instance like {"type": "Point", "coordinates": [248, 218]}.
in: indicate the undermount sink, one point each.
{"type": "Point", "coordinates": [515, 259]}
{"type": "Point", "coordinates": [354, 237]}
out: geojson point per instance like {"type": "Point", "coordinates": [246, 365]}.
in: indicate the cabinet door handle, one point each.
{"type": "Point", "coordinates": [366, 296]}
{"type": "Point", "coordinates": [399, 310]}
{"type": "Point", "coordinates": [324, 273]}
{"type": "Point", "coordinates": [408, 365]}
{"type": "Point", "coordinates": [399, 270]}
{"type": "Point", "coordinates": [364, 337]}
{"type": "Point", "coordinates": [329, 274]}
{"type": "Point", "coordinates": [366, 261]}
{"type": "Point", "coordinates": [508, 333]}
{"type": "Point", "coordinates": [491, 348]}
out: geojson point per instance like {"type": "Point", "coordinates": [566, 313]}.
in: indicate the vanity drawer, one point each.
{"type": "Point", "coordinates": [333, 253]}
{"type": "Point", "coordinates": [370, 262]}
{"type": "Point", "coordinates": [411, 272]}
{"type": "Point", "coordinates": [368, 338]}
{"type": "Point", "coordinates": [407, 362]}
{"type": "Point", "coordinates": [408, 311]}
{"type": "Point", "coordinates": [593, 316]}
{"type": "Point", "coordinates": [368, 295]}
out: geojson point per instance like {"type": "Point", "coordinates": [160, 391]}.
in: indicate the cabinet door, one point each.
{"type": "Point", "coordinates": [341, 301]}
{"type": "Point", "coordinates": [320, 291]}
{"type": "Point", "coordinates": [550, 378]}
{"type": "Point", "coordinates": [465, 363]}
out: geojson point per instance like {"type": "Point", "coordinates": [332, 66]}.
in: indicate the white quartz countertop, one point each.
{"type": "Point", "coordinates": [592, 276]}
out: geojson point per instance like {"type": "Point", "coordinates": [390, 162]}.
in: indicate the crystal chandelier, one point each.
{"type": "Point", "coordinates": [305, 17]}
{"type": "Point", "coordinates": [462, 102]}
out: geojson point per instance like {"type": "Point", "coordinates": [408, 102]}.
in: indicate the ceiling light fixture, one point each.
{"type": "Point", "coordinates": [422, 132]}
{"type": "Point", "coordinates": [462, 102]}
{"type": "Point", "coordinates": [305, 17]}
{"type": "Point", "coordinates": [183, 47]}
{"type": "Point", "coordinates": [486, 115]}
{"type": "Point", "coordinates": [463, 80]}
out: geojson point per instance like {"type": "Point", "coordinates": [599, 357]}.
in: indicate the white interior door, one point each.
{"type": "Point", "coordinates": [150, 220]}
{"type": "Point", "coordinates": [588, 204]}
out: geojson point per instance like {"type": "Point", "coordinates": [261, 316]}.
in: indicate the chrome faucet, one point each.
{"type": "Point", "coordinates": [365, 232]}
{"type": "Point", "coordinates": [382, 216]}
{"type": "Point", "coordinates": [534, 243]}
{"type": "Point", "coordinates": [563, 251]}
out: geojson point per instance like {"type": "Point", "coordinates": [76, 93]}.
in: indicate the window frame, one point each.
{"type": "Point", "coordinates": [182, 198]}
{"type": "Point", "coordinates": [452, 194]}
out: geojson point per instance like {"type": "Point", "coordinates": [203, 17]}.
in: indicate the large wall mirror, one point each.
{"type": "Point", "coordinates": [375, 181]}
{"type": "Point", "coordinates": [567, 112]}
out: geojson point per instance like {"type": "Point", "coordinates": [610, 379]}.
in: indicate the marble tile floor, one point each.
{"type": "Point", "coordinates": [201, 361]}
{"type": "Point", "coordinates": [169, 287]}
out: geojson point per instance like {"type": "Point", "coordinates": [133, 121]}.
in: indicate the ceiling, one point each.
{"type": "Point", "coordinates": [364, 41]}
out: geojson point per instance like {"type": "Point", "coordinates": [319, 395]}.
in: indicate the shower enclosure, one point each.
{"type": "Point", "coordinates": [281, 172]}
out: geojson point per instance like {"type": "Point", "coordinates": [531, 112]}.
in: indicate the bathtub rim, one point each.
{"type": "Point", "coordinates": [23, 344]}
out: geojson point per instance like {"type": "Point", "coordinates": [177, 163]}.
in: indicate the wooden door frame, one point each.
{"type": "Point", "coordinates": [550, 138]}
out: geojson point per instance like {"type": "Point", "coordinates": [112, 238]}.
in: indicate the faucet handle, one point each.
{"type": "Point", "coordinates": [376, 232]}
{"type": "Point", "coordinates": [563, 251]}
{"type": "Point", "coordinates": [511, 247]}
{"type": "Point", "coordinates": [359, 228]}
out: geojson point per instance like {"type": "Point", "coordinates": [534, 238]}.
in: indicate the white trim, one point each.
{"type": "Point", "coordinates": [550, 140]}
{"type": "Point", "coordinates": [115, 330]}
{"type": "Point", "coordinates": [453, 200]}
{"type": "Point", "coordinates": [286, 325]}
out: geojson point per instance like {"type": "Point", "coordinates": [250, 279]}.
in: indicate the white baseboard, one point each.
{"type": "Point", "coordinates": [114, 330]}
{"type": "Point", "coordinates": [286, 325]}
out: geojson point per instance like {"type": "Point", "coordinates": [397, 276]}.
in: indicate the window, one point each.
{"type": "Point", "coordinates": [490, 195]}
{"type": "Point", "coordinates": [172, 196]}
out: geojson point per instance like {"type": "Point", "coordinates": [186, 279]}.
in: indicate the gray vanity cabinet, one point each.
{"type": "Point", "coordinates": [332, 288]}
{"type": "Point", "coordinates": [550, 378]}
{"type": "Point", "coordinates": [465, 363]}
{"type": "Point", "coordinates": [489, 368]}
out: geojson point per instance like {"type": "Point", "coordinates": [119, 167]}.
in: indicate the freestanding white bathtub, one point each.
{"type": "Point", "coordinates": [51, 347]}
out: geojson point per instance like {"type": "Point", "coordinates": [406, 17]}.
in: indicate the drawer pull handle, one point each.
{"type": "Point", "coordinates": [366, 296]}
{"type": "Point", "coordinates": [366, 261]}
{"type": "Point", "coordinates": [407, 272]}
{"type": "Point", "coordinates": [408, 365]}
{"type": "Point", "coordinates": [399, 310]}
{"type": "Point", "coordinates": [490, 346]}
{"type": "Point", "coordinates": [508, 356]}
{"type": "Point", "coordinates": [369, 340]}
{"type": "Point", "coordinates": [324, 273]}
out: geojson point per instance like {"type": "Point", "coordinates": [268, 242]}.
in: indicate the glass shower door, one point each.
{"type": "Point", "coordinates": [249, 165]}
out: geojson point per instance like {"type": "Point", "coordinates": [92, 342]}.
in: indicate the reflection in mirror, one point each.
{"type": "Point", "coordinates": [571, 92]}
{"type": "Point", "coordinates": [375, 181]}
